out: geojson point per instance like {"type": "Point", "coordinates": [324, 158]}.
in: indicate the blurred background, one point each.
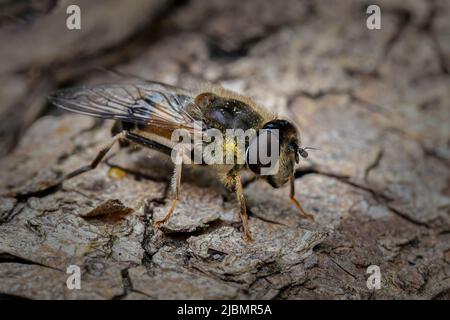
{"type": "Point", "coordinates": [289, 48]}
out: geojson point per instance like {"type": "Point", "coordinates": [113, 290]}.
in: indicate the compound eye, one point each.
{"type": "Point", "coordinates": [263, 152]}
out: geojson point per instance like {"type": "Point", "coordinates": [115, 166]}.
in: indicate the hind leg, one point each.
{"type": "Point", "coordinates": [122, 136]}
{"type": "Point", "coordinates": [102, 153]}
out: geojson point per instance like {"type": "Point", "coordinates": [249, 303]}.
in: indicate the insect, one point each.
{"type": "Point", "coordinates": [147, 114]}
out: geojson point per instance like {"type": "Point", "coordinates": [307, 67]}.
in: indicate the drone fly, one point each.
{"type": "Point", "coordinates": [148, 114]}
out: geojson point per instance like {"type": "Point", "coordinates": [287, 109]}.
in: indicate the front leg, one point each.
{"type": "Point", "coordinates": [295, 201]}
{"type": "Point", "coordinates": [242, 207]}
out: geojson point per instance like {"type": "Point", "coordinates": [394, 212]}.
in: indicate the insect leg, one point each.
{"type": "Point", "coordinates": [242, 208]}
{"type": "Point", "coordinates": [118, 137]}
{"type": "Point", "coordinates": [303, 213]}
{"type": "Point", "coordinates": [118, 127]}
{"type": "Point", "coordinates": [147, 143]}
{"type": "Point", "coordinates": [176, 183]}
{"type": "Point", "coordinates": [97, 159]}
{"type": "Point", "coordinates": [176, 179]}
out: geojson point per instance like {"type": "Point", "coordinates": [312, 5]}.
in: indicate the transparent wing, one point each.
{"type": "Point", "coordinates": [149, 104]}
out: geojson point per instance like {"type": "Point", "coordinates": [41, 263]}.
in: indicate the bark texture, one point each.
{"type": "Point", "coordinates": [376, 103]}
